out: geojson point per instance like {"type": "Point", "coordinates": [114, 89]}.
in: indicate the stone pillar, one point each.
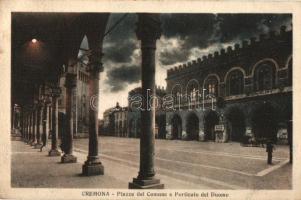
{"type": "Point", "coordinates": [25, 126]}
{"type": "Point", "coordinates": [93, 166]}
{"type": "Point", "coordinates": [49, 123]}
{"type": "Point", "coordinates": [29, 127]}
{"type": "Point", "coordinates": [33, 141]}
{"type": "Point", "coordinates": [39, 125]}
{"type": "Point", "coordinates": [22, 124]}
{"type": "Point", "coordinates": [54, 130]}
{"type": "Point", "coordinates": [168, 131]}
{"type": "Point", "coordinates": [148, 31]}
{"type": "Point", "coordinates": [201, 127]}
{"type": "Point", "coordinates": [44, 123]}
{"type": "Point", "coordinates": [68, 141]}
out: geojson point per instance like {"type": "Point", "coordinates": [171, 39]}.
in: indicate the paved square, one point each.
{"type": "Point", "coordinates": [179, 165]}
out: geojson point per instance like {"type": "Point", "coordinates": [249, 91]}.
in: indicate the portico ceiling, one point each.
{"type": "Point", "coordinates": [42, 43]}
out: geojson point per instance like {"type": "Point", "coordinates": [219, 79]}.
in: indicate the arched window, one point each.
{"type": "Point", "coordinates": [235, 83]}
{"type": "Point", "coordinates": [264, 77]}
{"type": "Point", "coordinates": [176, 93]}
{"type": "Point", "coordinates": [211, 86]}
{"type": "Point", "coordinates": [193, 94]}
{"type": "Point", "coordinates": [192, 90]}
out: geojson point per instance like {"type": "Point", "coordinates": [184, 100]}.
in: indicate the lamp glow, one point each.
{"type": "Point", "coordinates": [34, 40]}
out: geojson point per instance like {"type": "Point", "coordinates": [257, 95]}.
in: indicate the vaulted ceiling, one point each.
{"type": "Point", "coordinates": [57, 39]}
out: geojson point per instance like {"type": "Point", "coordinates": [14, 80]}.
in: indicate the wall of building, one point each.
{"type": "Point", "coordinates": [253, 74]}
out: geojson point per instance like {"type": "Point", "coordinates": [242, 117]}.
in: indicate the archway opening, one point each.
{"type": "Point", "coordinates": [210, 120]}
{"type": "Point", "coordinates": [132, 128]}
{"type": "Point", "coordinates": [192, 127]}
{"type": "Point", "coordinates": [236, 124]}
{"type": "Point", "coordinates": [161, 123]}
{"type": "Point", "coordinates": [176, 127]}
{"type": "Point", "coordinates": [265, 122]}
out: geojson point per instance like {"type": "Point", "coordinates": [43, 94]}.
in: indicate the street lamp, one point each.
{"type": "Point", "coordinates": [34, 40]}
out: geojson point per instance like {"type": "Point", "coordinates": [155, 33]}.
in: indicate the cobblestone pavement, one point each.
{"type": "Point", "coordinates": [179, 165]}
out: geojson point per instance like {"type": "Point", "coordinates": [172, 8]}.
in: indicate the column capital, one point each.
{"type": "Point", "coordinates": [95, 65]}
{"type": "Point", "coordinates": [70, 81]}
{"type": "Point", "coordinates": [148, 27]}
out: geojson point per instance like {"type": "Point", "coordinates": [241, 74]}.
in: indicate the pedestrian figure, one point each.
{"type": "Point", "coordinates": [44, 140]}
{"type": "Point", "coordinates": [269, 149]}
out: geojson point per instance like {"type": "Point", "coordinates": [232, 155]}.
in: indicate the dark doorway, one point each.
{"type": "Point", "coordinates": [210, 120]}
{"type": "Point", "coordinates": [192, 127]}
{"type": "Point", "coordinates": [176, 127]}
{"type": "Point", "coordinates": [236, 124]}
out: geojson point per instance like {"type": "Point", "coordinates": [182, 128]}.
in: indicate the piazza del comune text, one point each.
{"type": "Point", "coordinates": [225, 108]}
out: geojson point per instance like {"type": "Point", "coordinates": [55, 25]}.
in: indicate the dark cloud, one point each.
{"type": "Point", "coordinates": [118, 78]}
{"type": "Point", "coordinates": [119, 52]}
{"type": "Point", "coordinates": [242, 26]}
{"type": "Point", "coordinates": [173, 56]}
{"type": "Point", "coordinates": [203, 30]}
{"type": "Point", "coordinates": [120, 43]}
{"type": "Point", "coordinates": [195, 30]}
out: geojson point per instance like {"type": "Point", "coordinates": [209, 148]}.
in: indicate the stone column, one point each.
{"type": "Point", "coordinates": [22, 124]}
{"type": "Point", "coordinates": [68, 141]}
{"type": "Point", "coordinates": [25, 126]}
{"type": "Point", "coordinates": [38, 127]}
{"type": "Point", "coordinates": [33, 141]}
{"type": "Point", "coordinates": [168, 131]}
{"type": "Point", "coordinates": [49, 121]}
{"type": "Point", "coordinates": [93, 166]}
{"type": "Point", "coordinates": [54, 130]}
{"type": "Point", "coordinates": [148, 31]}
{"type": "Point", "coordinates": [44, 123]}
{"type": "Point", "coordinates": [29, 127]}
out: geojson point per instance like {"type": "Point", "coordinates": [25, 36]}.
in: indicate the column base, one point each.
{"type": "Point", "coordinates": [92, 169]}
{"type": "Point", "coordinates": [54, 152]}
{"type": "Point", "coordinates": [146, 184]}
{"type": "Point", "coordinates": [37, 146]}
{"type": "Point", "coordinates": [68, 158]}
{"type": "Point", "coordinates": [33, 143]}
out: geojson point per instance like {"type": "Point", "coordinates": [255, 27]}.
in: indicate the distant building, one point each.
{"type": "Point", "coordinates": [134, 115]}
{"type": "Point", "coordinates": [125, 121]}
{"type": "Point", "coordinates": [115, 121]}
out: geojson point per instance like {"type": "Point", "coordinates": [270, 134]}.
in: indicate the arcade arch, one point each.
{"type": "Point", "coordinates": [176, 127]}
{"type": "Point", "coordinates": [236, 124]}
{"type": "Point", "coordinates": [192, 127]}
{"type": "Point", "coordinates": [210, 120]}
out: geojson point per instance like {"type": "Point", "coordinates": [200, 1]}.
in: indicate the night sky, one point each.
{"type": "Point", "coordinates": [185, 37]}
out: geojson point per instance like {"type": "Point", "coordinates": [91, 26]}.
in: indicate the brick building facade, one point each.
{"type": "Point", "coordinates": [251, 83]}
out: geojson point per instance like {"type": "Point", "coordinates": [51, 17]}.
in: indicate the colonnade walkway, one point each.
{"type": "Point", "coordinates": [34, 169]}
{"type": "Point", "coordinates": [179, 165]}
